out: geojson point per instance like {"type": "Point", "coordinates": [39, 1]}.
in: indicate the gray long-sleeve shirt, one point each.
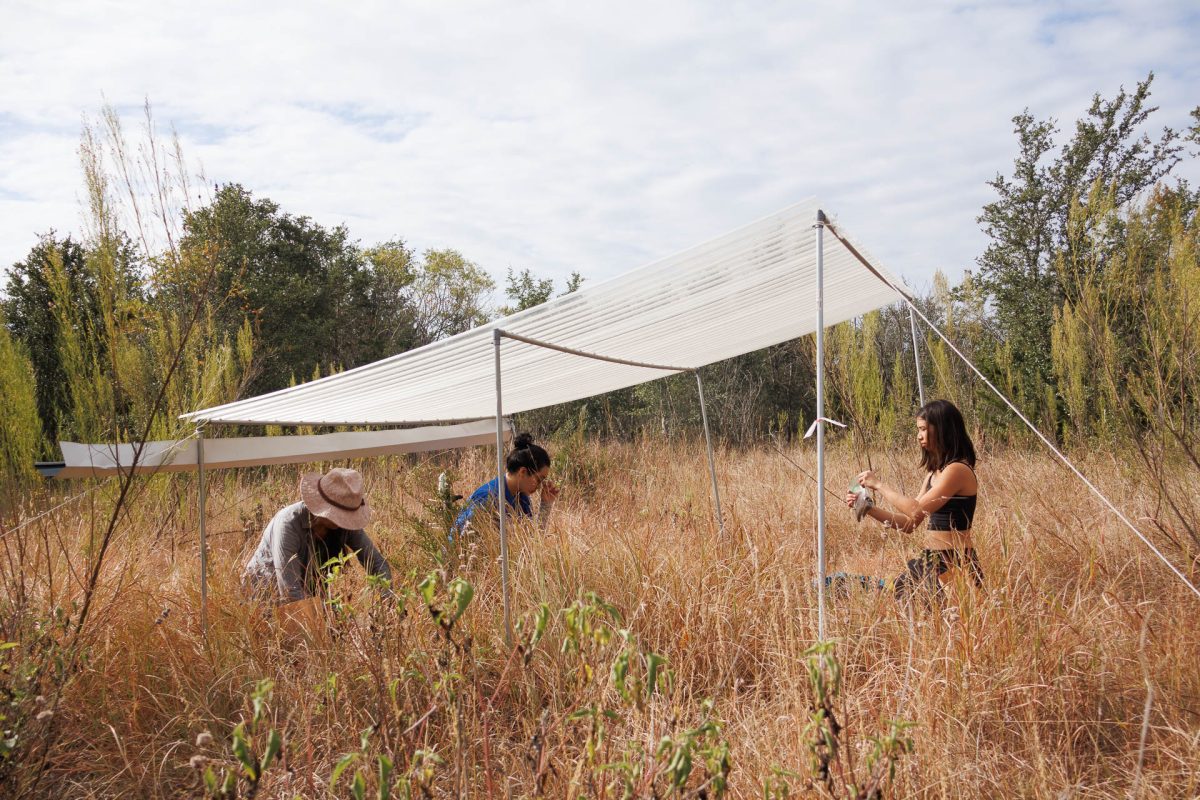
{"type": "Point", "coordinates": [288, 560]}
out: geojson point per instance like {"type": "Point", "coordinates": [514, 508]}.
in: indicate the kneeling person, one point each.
{"type": "Point", "coordinates": [526, 470]}
{"type": "Point", "coordinates": [288, 564]}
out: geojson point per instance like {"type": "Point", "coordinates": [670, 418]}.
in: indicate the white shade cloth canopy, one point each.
{"type": "Point", "coordinates": [101, 460]}
{"type": "Point", "coordinates": [744, 291]}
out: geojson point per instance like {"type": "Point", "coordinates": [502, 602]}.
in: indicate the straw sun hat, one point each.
{"type": "Point", "coordinates": [337, 496]}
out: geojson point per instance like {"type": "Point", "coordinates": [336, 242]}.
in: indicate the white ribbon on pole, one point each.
{"type": "Point", "coordinates": [813, 428]}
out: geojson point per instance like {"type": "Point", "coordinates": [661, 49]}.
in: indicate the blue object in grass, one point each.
{"type": "Point", "coordinates": [485, 497]}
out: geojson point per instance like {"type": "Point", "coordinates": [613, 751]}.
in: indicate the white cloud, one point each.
{"type": "Point", "coordinates": [589, 137]}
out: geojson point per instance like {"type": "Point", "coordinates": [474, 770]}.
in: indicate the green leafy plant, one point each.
{"type": "Point", "coordinates": [458, 591]}
{"type": "Point", "coordinates": [778, 784]}
{"type": "Point", "coordinates": [624, 702]}
{"type": "Point", "coordinates": [249, 763]}
{"type": "Point", "coordinates": [827, 740]}
{"type": "Point", "coordinates": [703, 743]}
{"type": "Point", "coordinates": [31, 667]}
{"type": "Point", "coordinates": [358, 782]}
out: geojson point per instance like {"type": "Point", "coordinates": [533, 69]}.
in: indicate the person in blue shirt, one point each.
{"type": "Point", "coordinates": [526, 471]}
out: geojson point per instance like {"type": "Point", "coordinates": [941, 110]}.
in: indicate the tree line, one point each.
{"type": "Point", "coordinates": [1084, 307]}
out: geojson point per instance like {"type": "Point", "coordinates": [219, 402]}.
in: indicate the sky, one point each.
{"type": "Point", "coordinates": [589, 137]}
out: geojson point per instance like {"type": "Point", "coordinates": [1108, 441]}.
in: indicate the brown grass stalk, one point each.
{"type": "Point", "coordinates": [1036, 687]}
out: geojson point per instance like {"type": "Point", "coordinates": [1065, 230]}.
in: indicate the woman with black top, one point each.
{"type": "Point", "coordinates": [947, 499]}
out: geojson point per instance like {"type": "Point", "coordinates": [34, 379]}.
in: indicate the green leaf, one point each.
{"type": "Point", "coordinates": [385, 774]}
{"type": "Point", "coordinates": [620, 669]}
{"type": "Point", "coordinates": [462, 592]}
{"type": "Point", "coordinates": [274, 743]}
{"type": "Point", "coordinates": [680, 766]}
{"type": "Point", "coordinates": [582, 713]}
{"type": "Point", "coordinates": [260, 696]}
{"type": "Point", "coordinates": [210, 781]}
{"type": "Point", "coordinates": [358, 789]}
{"type": "Point", "coordinates": [543, 620]}
{"type": "Point", "coordinates": [428, 588]}
{"type": "Point", "coordinates": [608, 608]}
{"type": "Point", "coordinates": [653, 662]}
{"type": "Point", "coordinates": [343, 762]}
{"type": "Point", "coordinates": [241, 749]}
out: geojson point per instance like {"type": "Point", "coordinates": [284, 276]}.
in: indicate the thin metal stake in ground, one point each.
{"type": "Point", "coordinates": [502, 493]}
{"type": "Point", "coordinates": [203, 533]}
{"type": "Point", "coordinates": [820, 246]}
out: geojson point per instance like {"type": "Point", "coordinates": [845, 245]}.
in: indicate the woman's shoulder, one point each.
{"type": "Point", "coordinates": [485, 490]}
{"type": "Point", "coordinates": [961, 473]}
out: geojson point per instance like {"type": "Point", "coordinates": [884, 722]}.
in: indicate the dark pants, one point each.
{"type": "Point", "coordinates": [924, 572]}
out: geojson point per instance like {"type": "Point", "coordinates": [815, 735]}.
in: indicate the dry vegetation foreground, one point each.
{"type": "Point", "coordinates": [665, 659]}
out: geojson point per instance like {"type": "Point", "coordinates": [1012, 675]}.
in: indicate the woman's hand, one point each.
{"type": "Point", "coordinates": [868, 478]}
{"type": "Point", "coordinates": [549, 491]}
{"type": "Point", "coordinates": [851, 499]}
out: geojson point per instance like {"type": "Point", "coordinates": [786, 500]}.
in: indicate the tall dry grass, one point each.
{"type": "Point", "coordinates": [1035, 687]}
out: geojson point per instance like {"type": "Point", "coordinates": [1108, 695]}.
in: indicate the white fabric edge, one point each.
{"type": "Point", "coordinates": [102, 460]}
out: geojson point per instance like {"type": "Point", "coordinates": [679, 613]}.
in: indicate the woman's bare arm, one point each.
{"type": "Point", "coordinates": [955, 479]}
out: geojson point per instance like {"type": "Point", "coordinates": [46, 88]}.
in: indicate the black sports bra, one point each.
{"type": "Point", "coordinates": [957, 513]}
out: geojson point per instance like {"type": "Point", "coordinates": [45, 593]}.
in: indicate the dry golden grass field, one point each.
{"type": "Point", "coordinates": [670, 660]}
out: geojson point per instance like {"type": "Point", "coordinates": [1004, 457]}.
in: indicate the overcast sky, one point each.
{"type": "Point", "coordinates": [590, 137]}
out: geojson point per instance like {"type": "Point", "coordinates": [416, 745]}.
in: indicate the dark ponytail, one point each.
{"type": "Point", "coordinates": [526, 454]}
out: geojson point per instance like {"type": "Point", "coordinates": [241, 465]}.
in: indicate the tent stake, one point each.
{"type": "Point", "coordinates": [820, 226]}
{"type": "Point", "coordinates": [203, 533]}
{"type": "Point", "coordinates": [912, 322]}
{"type": "Point", "coordinates": [501, 492]}
{"type": "Point", "coordinates": [712, 467]}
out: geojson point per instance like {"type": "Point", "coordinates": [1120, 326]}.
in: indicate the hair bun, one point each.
{"type": "Point", "coordinates": [522, 441]}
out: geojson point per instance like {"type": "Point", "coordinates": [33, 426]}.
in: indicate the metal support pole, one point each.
{"type": "Point", "coordinates": [712, 467]}
{"type": "Point", "coordinates": [203, 489]}
{"type": "Point", "coordinates": [820, 226]}
{"type": "Point", "coordinates": [501, 493]}
{"type": "Point", "coordinates": [912, 321]}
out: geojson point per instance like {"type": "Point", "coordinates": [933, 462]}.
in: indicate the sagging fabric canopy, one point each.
{"type": "Point", "coordinates": [739, 293]}
{"type": "Point", "coordinates": [102, 460]}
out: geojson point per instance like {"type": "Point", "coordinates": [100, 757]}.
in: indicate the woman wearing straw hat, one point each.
{"type": "Point", "coordinates": [303, 537]}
